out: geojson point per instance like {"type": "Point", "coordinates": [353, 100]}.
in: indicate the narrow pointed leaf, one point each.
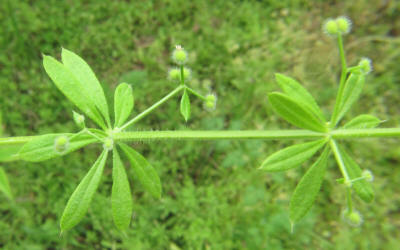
{"type": "Point", "coordinates": [185, 106]}
{"type": "Point", "coordinates": [292, 156]}
{"type": "Point", "coordinates": [85, 75]}
{"type": "Point", "coordinates": [363, 121]}
{"type": "Point", "coordinates": [79, 201]}
{"type": "Point", "coordinates": [146, 174]}
{"type": "Point", "coordinates": [351, 92]}
{"type": "Point", "coordinates": [295, 112]}
{"type": "Point", "coordinates": [362, 188]}
{"type": "Point", "coordinates": [43, 147]}
{"type": "Point", "coordinates": [296, 91]}
{"type": "Point", "coordinates": [4, 184]}
{"type": "Point", "coordinates": [9, 152]}
{"type": "Point", "coordinates": [121, 198]}
{"type": "Point", "coordinates": [123, 103]}
{"type": "Point", "coordinates": [67, 83]}
{"type": "Point", "coordinates": [308, 188]}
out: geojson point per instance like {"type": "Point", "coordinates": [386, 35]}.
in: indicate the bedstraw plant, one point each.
{"type": "Point", "coordinates": [75, 79]}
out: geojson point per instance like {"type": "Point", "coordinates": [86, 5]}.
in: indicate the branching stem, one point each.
{"type": "Point", "coordinates": [154, 106]}
{"type": "Point", "coordinates": [342, 81]}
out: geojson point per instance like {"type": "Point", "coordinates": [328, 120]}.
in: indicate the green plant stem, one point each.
{"type": "Point", "coordinates": [218, 135]}
{"type": "Point", "coordinates": [194, 92]}
{"type": "Point", "coordinates": [235, 135]}
{"type": "Point", "coordinates": [154, 106]}
{"type": "Point", "coordinates": [342, 81]}
{"type": "Point", "coordinates": [339, 160]}
{"type": "Point", "coordinates": [182, 76]}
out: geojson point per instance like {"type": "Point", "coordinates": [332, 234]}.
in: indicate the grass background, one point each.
{"type": "Point", "coordinates": [214, 198]}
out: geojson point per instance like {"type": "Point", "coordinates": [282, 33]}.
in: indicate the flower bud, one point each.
{"type": "Point", "coordinates": [179, 55]}
{"type": "Point", "coordinates": [108, 144]}
{"type": "Point", "coordinates": [367, 174]}
{"type": "Point", "coordinates": [330, 27]}
{"type": "Point", "coordinates": [211, 101]}
{"type": "Point", "coordinates": [343, 24]}
{"type": "Point", "coordinates": [352, 218]}
{"type": "Point", "coordinates": [174, 75]}
{"type": "Point", "coordinates": [78, 119]}
{"type": "Point", "coordinates": [187, 74]}
{"type": "Point", "coordinates": [365, 65]}
{"type": "Point", "coordinates": [61, 144]}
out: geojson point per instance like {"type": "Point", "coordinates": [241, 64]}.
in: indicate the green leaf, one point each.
{"type": "Point", "coordinates": [296, 91]}
{"type": "Point", "coordinates": [74, 90]}
{"type": "Point", "coordinates": [308, 188]}
{"type": "Point", "coordinates": [123, 103]}
{"type": "Point", "coordinates": [9, 152]}
{"type": "Point", "coordinates": [146, 174]}
{"type": "Point", "coordinates": [351, 93]}
{"type": "Point", "coordinates": [292, 156]}
{"type": "Point", "coordinates": [4, 184]}
{"type": "Point", "coordinates": [43, 147]}
{"type": "Point", "coordinates": [84, 74]}
{"type": "Point", "coordinates": [79, 201]}
{"type": "Point", "coordinates": [185, 105]}
{"type": "Point", "coordinates": [363, 121]}
{"type": "Point", "coordinates": [295, 112]}
{"type": "Point", "coordinates": [362, 188]}
{"type": "Point", "coordinates": [121, 198]}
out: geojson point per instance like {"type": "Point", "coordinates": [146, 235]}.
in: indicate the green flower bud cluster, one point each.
{"type": "Point", "coordinates": [61, 144]}
{"type": "Point", "coordinates": [108, 144]}
{"type": "Point", "coordinates": [340, 25]}
{"type": "Point", "coordinates": [180, 57]}
{"type": "Point", "coordinates": [211, 101]}
{"type": "Point", "coordinates": [353, 218]}
{"type": "Point", "coordinates": [365, 65]}
{"type": "Point", "coordinates": [174, 74]}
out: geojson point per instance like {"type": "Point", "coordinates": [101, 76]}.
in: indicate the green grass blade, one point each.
{"type": "Point", "coordinates": [295, 112]}
{"type": "Point", "coordinates": [351, 93]}
{"type": "Point", "coordinates": [363, 121]}
{"type": "Point", "coordinates": [72, 88]}
{"type": "Point", "coordinates": [361, 187]}
{"type": "Point", "coordinates": [185, 106]}
{"type": "Point", "coordinates": [296, 91]}
{"type": "Point", "coordinates": [146, 174]}
{"type": "Point", "coordinates": [4, 184]}
{"type": "Point", "coordinates": [43, 147]}
{"type": "Point", "coordinates": [85, 75]}
{"type": "Point", "coordinates": [79, 201]}
{"type": "Point", "coordinates": [121, 197]}
{"type": "Point", "coordinates": [292, 156]}
{"type": "Point", "coordinates": [123, 103]}
{"type": "Point", "coordinates": [308, 188]}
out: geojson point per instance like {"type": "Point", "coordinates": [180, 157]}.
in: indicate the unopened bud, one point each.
{"type": "Point", "coordinates": [174, 75]}
{"type": "Point", "coordinates": [179, 55]}
{"type": "Point", "coordinates": [108, 144]}
{"type": "Point", "coordinates": [366, 65]}
{"type": "Point", "coordinates": [211, 101]}
{"type": "Point", "coordinates": [343, 24]}
{"type": "Point", "coordinates": [187, 74]}
{"type": "Point", "coordinates": [367, 174]}
{"type": "Point", "coordinates": [330, 27]}
{"type": "Point", "coordinates": [78, 119]}
{"type": "Point", "coordinates": [61, 144]}
{"type": "Point", "coordinates": [352, 218]}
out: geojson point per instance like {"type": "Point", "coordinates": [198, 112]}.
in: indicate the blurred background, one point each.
{"type": "Point", "coordinates": [213, 196]}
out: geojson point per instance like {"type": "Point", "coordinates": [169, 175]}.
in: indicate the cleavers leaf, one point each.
{"type": "Point", "coordinates": [292, 156]}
